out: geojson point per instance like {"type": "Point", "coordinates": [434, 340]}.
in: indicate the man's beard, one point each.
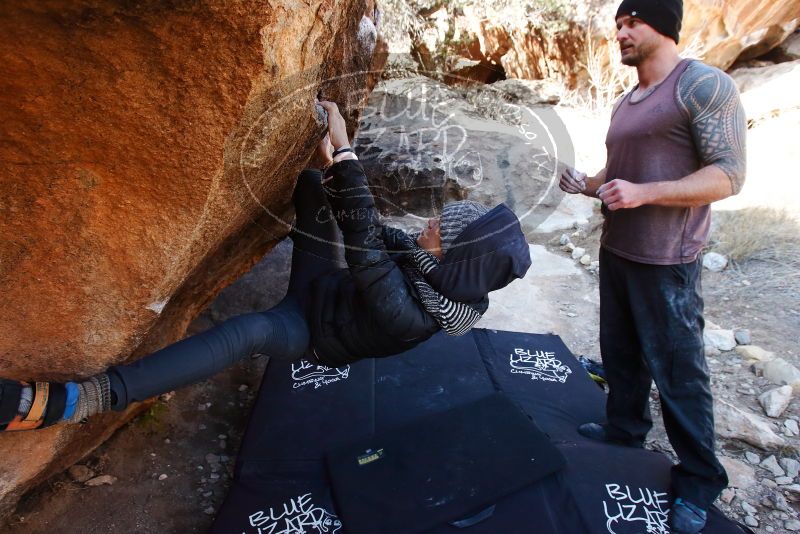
{"type": "Point", "coordinates": [639, 54]}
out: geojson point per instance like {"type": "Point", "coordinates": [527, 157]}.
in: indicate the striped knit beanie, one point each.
{"type": "Point", "coordinates": [455, 217]}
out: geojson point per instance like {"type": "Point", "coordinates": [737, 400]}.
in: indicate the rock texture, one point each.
{"type": "Point", "coordinates": [780, 372]}
{"type": "Point", "coordinates": [769, 91]}
{"type": "Point", "coordinates": [487, 40]}
{"type": "Point", "coordinates": [776, 400]}
{"type": "Point", "coordinates": [147, 159]}
{"type": "Point", "coordinates": [738, 29]}
{"type": "Point", "coordinates": [733, 423]}
{"type": "Point", "coordinates": [423, 143]}
{"type": "Point", "coordinates": [790, 48]}
{"type": "Point", "coordinates": [723, 340]}
{"type": "Point", "coordinates": [740, 475]}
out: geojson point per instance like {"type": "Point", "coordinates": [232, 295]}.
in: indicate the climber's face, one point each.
{"type": "Point", "coordinates": [430, 239]}
{"type": "Point", "coordinates": [637, 40]}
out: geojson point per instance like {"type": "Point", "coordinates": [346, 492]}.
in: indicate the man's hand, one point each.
{"type": "Point", "coordinates": [337, 128]}
{"type": "Point", "coordinates": [572, 181]}
{"type": "Point", "coordinates": [619, 194]}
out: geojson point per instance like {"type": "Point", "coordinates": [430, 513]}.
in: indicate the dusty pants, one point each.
{"type": "Point", "coordinates": [651, 329]}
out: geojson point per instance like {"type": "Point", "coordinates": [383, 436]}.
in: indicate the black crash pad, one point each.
{"type": "Point", "coordinates": [281, 485]}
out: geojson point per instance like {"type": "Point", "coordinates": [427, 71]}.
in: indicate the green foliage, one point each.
{"type": "Point", "coordinates": [153, 420]}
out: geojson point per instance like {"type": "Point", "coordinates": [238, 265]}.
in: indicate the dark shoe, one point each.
{"type": "Point", "coordinates": [598, 432]}
{"type": "Point", "coordinates": [686, 518]}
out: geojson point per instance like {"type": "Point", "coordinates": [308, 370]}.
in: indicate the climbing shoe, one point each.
{"type": "Point", "coordinates": [686, 518]}
{"type": "Point", "coordinates": [28, 406]}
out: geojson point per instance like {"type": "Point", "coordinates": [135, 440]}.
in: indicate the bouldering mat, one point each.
{"type": "Point", "coordinates": [303, 411]}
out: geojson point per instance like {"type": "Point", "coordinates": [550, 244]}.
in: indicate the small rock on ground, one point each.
{"type": "Point", "coordinates": [780, 372]}
{"type": "Point", "coordinates": [721, 339]}
{"type": "Point", "coordinates": [740, 475]}
{"type": "Point", "coordinates": [771, 465]}
{"type": "Point", "coordinates": [754, 352]}
{"type": "Point", "coordinates": [80, 473]}
{"type": "Point", "coordinates": [791, 466]}
{"type": "Point", "coordinates": [775, 401]}
{"type": "Point", "coordinates": [714, 262]}
{"type": "Point", "coordinates": [742, 336]}
{"type": "Point", "coordinates": [791, 426]}
{"type": "Point", "coordinates": [733, 423]}
{"type": "Point", "coordinates": [102, 480]}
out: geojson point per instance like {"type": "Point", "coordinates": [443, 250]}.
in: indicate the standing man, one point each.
{"type": "Point", "coordinates": [676, 143]}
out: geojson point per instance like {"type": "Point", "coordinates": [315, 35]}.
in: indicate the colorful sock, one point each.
{"type": "Point", "coordinates": [25, 401]}
{"type": "Point", "coordinates": [72, 400]}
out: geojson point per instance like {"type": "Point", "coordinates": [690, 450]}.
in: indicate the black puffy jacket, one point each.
{"type": "Point", "coordinates": [371, 309]}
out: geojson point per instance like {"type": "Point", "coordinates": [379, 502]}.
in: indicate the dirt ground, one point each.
{"type": "Point", "coordinates": [164, 481]}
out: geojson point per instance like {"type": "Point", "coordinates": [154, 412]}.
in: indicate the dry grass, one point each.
{"type": "Point", "coordinates": [398, 21]}
{"type": "Point", "coordinates": [763, 245]}
{"type": "Point", "coordinates": [764, 234]}
{"type": "Point", "coordinates": [606, 77]}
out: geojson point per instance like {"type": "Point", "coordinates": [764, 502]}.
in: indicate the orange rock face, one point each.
{"type": "Point", "coordinates": [739, 28]}
{"type": "Point", "coordinates": [147, 156]}
{"type": "Point", "coordinates": [531, 44]}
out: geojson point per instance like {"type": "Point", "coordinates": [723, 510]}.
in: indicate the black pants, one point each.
{"type": "Point", "coordinates": [280, 332]}
{"type": "Point", "coordinates": [651, 328]}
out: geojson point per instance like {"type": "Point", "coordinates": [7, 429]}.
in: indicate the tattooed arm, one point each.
{"type": "Point", "coordinates": [711, 102]}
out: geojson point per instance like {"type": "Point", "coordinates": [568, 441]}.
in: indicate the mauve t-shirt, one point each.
{"type": "Point", "coordinates": [651, 141]}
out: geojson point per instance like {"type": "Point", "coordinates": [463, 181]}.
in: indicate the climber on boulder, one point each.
{"type": "Point", "coordinates": [357, 290]}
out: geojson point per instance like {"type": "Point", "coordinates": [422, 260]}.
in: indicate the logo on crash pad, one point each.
{"type": "Point", "coordinates": [305, 373]}
{"type": "Point", "coordinates": [539, 365]}
{"type": "Point", "coordinates": [630, 509]}
{"type": "Point", "coordinates": [296, 516]}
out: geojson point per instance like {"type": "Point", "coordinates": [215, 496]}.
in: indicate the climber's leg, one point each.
{"type": "Point", "coordinates": [280, 332]}
{"type": "Point", "coordinates": [317, 240]}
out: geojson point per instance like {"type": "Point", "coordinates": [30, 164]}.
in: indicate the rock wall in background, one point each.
{"type": "Point", "coordinates": [147, 156]}
{"type": "Point", "coordinates": [535, 39]}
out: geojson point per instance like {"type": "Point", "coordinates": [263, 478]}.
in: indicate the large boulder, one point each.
{"type": "Point", "coordinates": [738, 29]}
{"type": "Point", "coordinates": [549, 40]}
{"type": "Point", "coordinates": [423, 143]}
{"type": "Point", "coordinates": [769, 91]}
{"type": "Point", "coordinates": [732, 423]}
{"type": "Point", "coordinates": [790, 48]}
{"type": "Point", "coordinates": [148, 157]}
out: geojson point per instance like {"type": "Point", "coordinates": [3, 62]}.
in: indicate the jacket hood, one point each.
{"type": "Point", "coordinates": [489, 254]}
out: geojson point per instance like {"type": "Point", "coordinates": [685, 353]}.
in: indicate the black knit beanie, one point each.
{"type": "Point", "coordinates": [664, 16]}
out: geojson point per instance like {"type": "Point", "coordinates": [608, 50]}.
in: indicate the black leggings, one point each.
{"type": "Point", "coordinates": [280, 332]}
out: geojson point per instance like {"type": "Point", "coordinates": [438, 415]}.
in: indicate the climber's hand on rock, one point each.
{"type": "Point", "coordinates": [572, 181]}
{"type": "Point", "coordinates": [322, 155]}
{"type": "Point", "coordinates": [337, 128]}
